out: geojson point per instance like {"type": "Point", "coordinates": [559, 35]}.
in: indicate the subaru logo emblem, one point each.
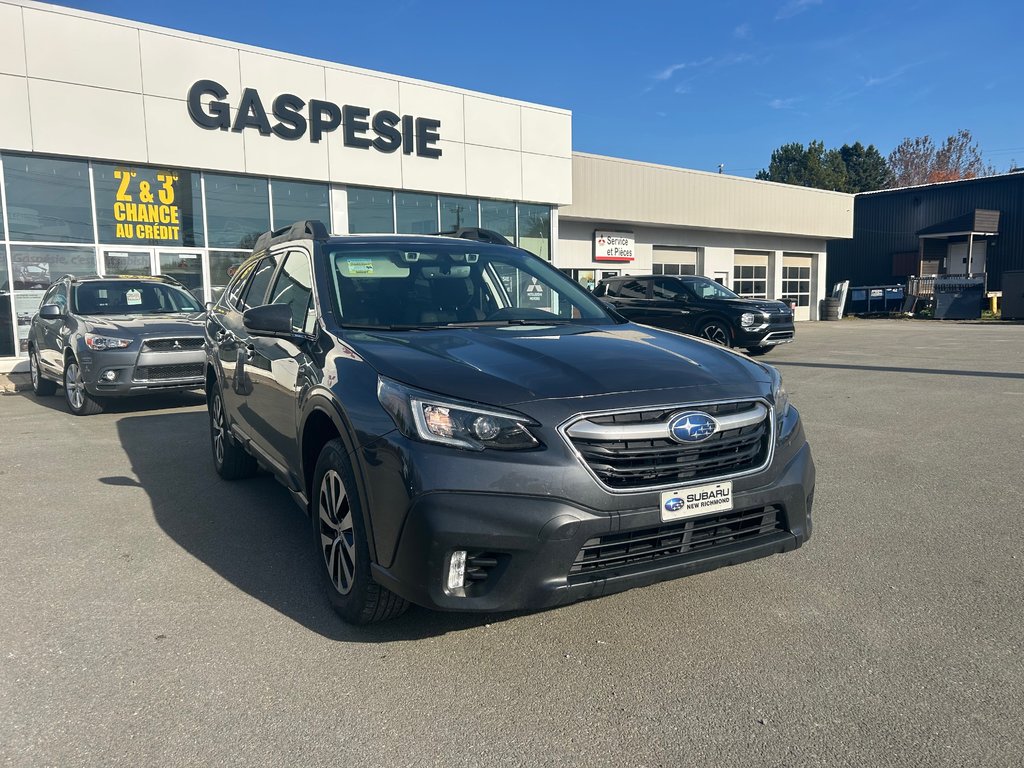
{"type": "Point", "coordinates": [674, 504]}
{"type": "Point", "coordinates": [692, 427]}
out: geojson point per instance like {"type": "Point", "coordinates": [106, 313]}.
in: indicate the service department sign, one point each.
{"type": "Point", "coordinates": [294, 118]}
{"type": "Point", "coordinates": [613, 246]}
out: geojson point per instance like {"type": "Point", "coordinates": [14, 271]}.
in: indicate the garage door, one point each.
{"type": "Point", "coordinates": [796, 283]}
{"type": "Point", "coordinates": [672, 260]}
{"type": "Point", "coordinates": [750, 274]}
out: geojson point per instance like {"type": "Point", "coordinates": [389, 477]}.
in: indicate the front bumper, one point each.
{"type": "Point", "coordinates": [528, 548]}
{"type": "Point", "coordinates": [766, 336]}
{"type": "Point", "coordinates": [136, 373]}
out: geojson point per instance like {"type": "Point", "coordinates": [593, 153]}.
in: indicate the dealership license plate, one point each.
{"type": "Point", "coordinates": [697, 500]}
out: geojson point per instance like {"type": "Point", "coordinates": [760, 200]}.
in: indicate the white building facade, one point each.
{"type": "Point", "coordinates": [132, 149]}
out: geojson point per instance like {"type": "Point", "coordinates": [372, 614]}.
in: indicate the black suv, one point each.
{"type": "Point", "coordinates": [701, 307]}
{"type": "Point", "coordinates": [103, 337]}
{"type": "Point", "coordinates": [469, 429]}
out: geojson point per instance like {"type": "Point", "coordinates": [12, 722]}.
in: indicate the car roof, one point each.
{"type": "Point", "coordinates": [386, 237]}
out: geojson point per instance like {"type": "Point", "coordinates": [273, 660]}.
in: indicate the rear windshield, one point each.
{"type": "Point", "coordinates": [132, 297]}
{"type": "Point", "coordinates": [386, 286]}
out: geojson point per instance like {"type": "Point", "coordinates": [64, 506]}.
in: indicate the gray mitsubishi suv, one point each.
{"type": "Point", "coordinates": [104, 337]}
{"type": "Point", "coordinates": [469, 429]}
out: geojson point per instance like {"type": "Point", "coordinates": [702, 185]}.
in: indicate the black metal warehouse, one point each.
{"type": "Point", "coordinates": [972, 225]}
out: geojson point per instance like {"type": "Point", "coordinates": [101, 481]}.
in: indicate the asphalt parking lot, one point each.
{"type": "Point", "coordinates": [153, 614]}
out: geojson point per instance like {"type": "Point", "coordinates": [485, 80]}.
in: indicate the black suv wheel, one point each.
{"type": "Point", "coordinates": [341, 546]}
{"type": "Point", "coordinates": [229, 458]}
{"type": "Point", "coordinates": [717, 332]}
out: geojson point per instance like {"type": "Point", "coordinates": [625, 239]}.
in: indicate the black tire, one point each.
{"type": "Point", "coordinates": [40, 387]}
{"type": "Point", "coordinates": [229, 458]}
{"type": "Point", "coordinates": [716, 332]}
{"type": "Point", "coordinates": [79, 401]}
{"type": "Point", "coordinates": [342, 552]}
{"type": "Point", "coordinates": [758, 351]}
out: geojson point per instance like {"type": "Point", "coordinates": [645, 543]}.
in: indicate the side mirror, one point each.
{"type": "Point", "coordinates": [269, 320]}
{"type": "Point", "coordinates": [51, 312]}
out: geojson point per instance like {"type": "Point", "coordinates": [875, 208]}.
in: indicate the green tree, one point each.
{"type": "Point", "coordinates": [810, 166]}
{"type": "Point", "coordinates": [866, 169]}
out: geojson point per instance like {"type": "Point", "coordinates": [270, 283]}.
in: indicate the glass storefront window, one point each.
{"type": "Point", "coordinates": [499, 217]}
{"type": "Point", "coordinates": [300, 200]}
{"type": "Point", "coordinates": [535, 229]}
{"type": "Point", "coordinates": [223, 265]}
{"type": "Point", "coordinates": [370, 210]}
{"type": "Point", "coordinates": [148, 206]}
{"type": "Point", "coordinates": [416, 214]}
{"type": "Point", "coordinates": [7, 348]}
{"type": "Point", "coordinates": [458, 212]}
{"type": "Point", "coordinates": [35, 267]}
{"type": "Point", "coordinates": [237, 210]}
{"type": "Point", "coordinates": [48, 199]}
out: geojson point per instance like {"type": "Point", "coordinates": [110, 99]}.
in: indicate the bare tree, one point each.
{"type": "Point", "coordinates": [919, 161]}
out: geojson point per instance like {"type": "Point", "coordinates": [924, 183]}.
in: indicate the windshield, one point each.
{"type": "Point", "coordinates": [705, 288]}
{"type": "Point", "coordinates": [385, 286]}
{"type": "Point", "coordinates": [132, 297]}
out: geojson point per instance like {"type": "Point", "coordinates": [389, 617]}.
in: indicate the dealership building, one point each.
{"type": "Point", "coordinates": [132, 149]}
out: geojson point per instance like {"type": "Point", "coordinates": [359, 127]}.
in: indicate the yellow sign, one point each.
{"type": "Point", "coordinates": [142, 212]}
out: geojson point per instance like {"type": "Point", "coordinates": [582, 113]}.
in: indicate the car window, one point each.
{"type": "Point", "coordinates": [708, 289]}
{"type": "Point", "coordinates": [631, 289]}
{"type": "Point", "coordinates": [238, 280]}
{"type": "Point", "coordinates": [668, 288]}
{"type": "Point", "coordinates": [294, 287]}
{"type": "Point", "coordinates": [256, 291]}
{"type": "Point", "coordinates": [132, 297]}
{"type": "Point", "coordinates": [60, 296]}
{"type": "Point", "coordinates": [438, 284]}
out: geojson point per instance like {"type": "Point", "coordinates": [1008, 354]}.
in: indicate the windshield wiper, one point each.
{"type": "Point", "coordinates": [392, 327]}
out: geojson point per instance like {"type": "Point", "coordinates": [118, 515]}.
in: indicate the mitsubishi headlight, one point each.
{"type": "Point", "coordinates": [424, 416]}
{"type": "Point", "coordinates": [779, 396]}
{"type": "Point", "coordinates": [93, 341]}
{"type": "Point", "coordinates": [747, 319]}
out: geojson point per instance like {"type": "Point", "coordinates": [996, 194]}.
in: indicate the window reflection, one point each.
{"type": "Point", "coordinates": [416, 214]}
{"type": "Point", "coordinates": [370, 210]}
{"type": "Point", "coordinates": [300, 200]}
{"type": "Point", "coordinates": [237, 210]}
{"type": "Point", "coordinates": [48, 199]}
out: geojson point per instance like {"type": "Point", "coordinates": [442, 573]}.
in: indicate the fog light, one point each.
{"type": "Point", "coordinates": [109, 376]}
{"type": "Point", "coordinates": [457, 570]}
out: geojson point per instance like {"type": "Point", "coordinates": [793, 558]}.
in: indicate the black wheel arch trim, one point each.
{"type": "Point", "coordinates": [322, 401]}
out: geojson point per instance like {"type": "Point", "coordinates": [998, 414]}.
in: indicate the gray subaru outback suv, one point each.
{"type": "Point", "coordinates": [469, 429]}
{"type": "Point", "coordinates": [103, 337]}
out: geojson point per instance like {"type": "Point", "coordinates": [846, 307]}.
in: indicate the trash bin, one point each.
{"type": "Point", "coordinates": [1013, 295]}
{"type": "Point", "coordinates": [958, 297]}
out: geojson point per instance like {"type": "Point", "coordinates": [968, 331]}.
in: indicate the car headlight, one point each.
{"type": "Point", "coordinates": [747, 319]}
{"type": "Point", "coordinates": [424, 416]}
{"type": "Point", "coordinates": [779, 396]}
{"type": "Point", "coordinates": [93, 341]}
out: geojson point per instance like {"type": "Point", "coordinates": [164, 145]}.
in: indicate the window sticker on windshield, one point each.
{"type": "Point", "coordinates": [132, 297]}
{"type": "Point", "coordinates": [359, 266]}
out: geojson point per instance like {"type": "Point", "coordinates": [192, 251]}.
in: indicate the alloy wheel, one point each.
{"type": "Point", "coordinates": [715, 333]}
{"type": "Point", "coordinates": [74, 386]}
{"type": "Point", "coordinates": [217, 428]}
{"type": "Point", "coordinates": [337, 537]}
{"type": "Point", "coordinates": [33, 370]}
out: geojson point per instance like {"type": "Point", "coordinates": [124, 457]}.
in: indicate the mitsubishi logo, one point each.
{"type": "Point", "coordinates": [176, 344]}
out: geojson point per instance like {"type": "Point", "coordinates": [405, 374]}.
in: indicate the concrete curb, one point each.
{"type": "Point", "coordinates": [14, 382]}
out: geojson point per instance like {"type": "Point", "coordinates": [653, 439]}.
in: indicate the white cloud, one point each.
{"type": "Point", "coordinates": [795, 7]}
{"type": "Point", "coordinates": [742, 32]}
{"type": "Point", "coordinates": [667, 72]}
{"type": "Point", "coordinates": [783, 103]}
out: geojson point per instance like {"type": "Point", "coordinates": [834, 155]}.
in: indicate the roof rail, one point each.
{"type": "Point", "coordinates": [477, 233]}
{"type": "Point", "coordinates": [300, 230]}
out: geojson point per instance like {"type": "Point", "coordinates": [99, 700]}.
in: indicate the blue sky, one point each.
{"type": "Point", "coordinates": [681, 83]}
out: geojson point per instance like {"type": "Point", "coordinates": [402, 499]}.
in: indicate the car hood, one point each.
{"type": "Point", "coordinates": [147, 325]}
{"type": "Point", "coordinates": [518, 364]}
{"type": "Point", "coordinates": [760, 305]}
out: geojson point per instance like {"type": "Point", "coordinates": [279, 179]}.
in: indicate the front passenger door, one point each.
{"type": "Point", "coordinates": [630, 298]}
